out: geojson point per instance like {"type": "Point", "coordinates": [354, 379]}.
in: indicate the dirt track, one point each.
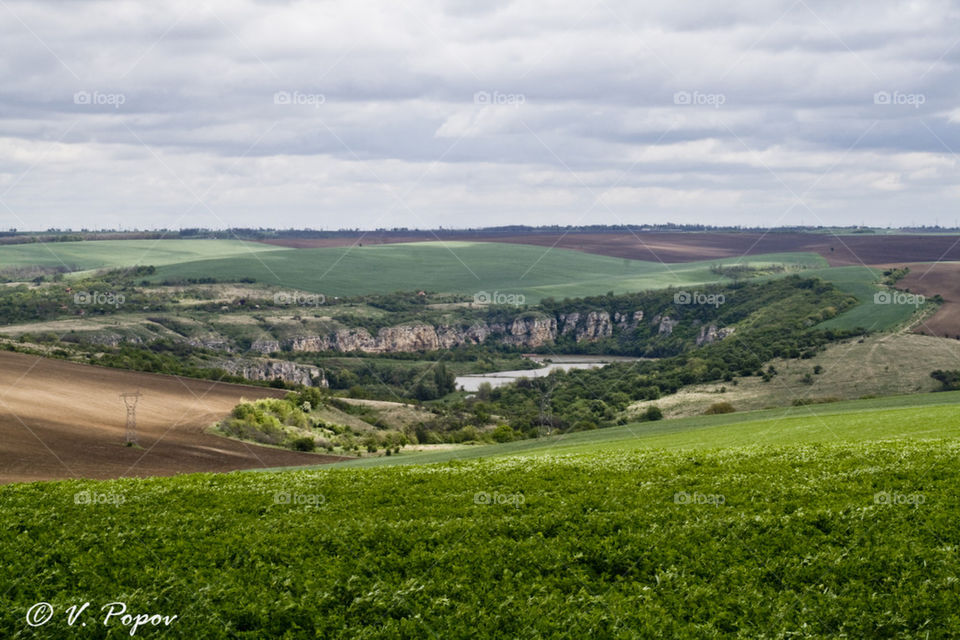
{"type": "Point", "coordinates": [685, 247]}
{"type": "Point", "coordinates": [64, 420]}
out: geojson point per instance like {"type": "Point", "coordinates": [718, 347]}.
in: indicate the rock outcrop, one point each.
{"type": "Point", "coordinates": [262, 369]}
{"type": "Point", "coordinates": [667, 325]}
{"type": "Point", "coordinates": [711, 334]}
{"type": "Point", "coordinates": [531, 330]}
{"type": "Point", "coordinates": [265, 346]}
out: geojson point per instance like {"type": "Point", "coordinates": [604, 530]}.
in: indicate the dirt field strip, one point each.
{"type": "Point", "coordinates": [672, 247]}
{"type": "Point", "coordinates": [929, 280]}
{"type": "Point", "coordinates": [61, 420]}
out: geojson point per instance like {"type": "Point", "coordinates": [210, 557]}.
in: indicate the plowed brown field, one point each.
{"type": "Point", "coordinates": [929, 280]}
{"type": "Point", "coordinates": [841, 250]}
{"type": "Point", "coordinates": [64, 420]}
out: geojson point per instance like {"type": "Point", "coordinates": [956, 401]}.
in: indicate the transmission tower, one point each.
{"type": "Point", "coordinates": [130, 399]}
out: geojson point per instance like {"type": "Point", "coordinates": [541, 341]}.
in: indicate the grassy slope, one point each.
{"type": "Point", "coordinates": [124, 253]}
{"type": "Point", "coordinates": [461, 267]}
{"type": "Point", "coordinates": [880, 365]}
{"type": "Point", "coordinates": [928, 415]}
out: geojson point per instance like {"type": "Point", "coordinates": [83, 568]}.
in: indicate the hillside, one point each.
{"type": "Point", "coordinates": [63, 420]}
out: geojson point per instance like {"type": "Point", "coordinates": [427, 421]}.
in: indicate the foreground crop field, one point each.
{"type": "Point", "coordinates": [62, 420]}
{"type": "Point", "coordinates": [851, 540]}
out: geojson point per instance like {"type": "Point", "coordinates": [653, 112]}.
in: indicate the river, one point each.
{"type": "Point", "coordinates": [497, 378]}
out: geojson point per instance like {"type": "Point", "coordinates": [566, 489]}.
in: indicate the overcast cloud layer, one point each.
{"type": "Point", "coordinates": [462, 113]}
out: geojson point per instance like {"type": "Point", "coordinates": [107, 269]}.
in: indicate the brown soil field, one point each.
{"type": "Point", "coordinates": [63, 420]}
{"type": "Point", "coordinates": [929, 280]}
{"type": "Point", "coordinates": [691, 246]}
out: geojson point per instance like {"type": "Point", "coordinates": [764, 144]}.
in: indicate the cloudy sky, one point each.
{"type": "Point", "coordinates": [463, 113]}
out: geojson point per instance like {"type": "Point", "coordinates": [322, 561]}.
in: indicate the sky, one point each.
{"type": "Point", "coordinates": [468, 113]}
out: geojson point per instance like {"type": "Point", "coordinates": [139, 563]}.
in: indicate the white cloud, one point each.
{"type": "Point", "coordinates": [384, 104]}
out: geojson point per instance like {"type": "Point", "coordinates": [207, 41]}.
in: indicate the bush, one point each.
{"type": "Point", "coordinates": [719, 407]}
{"type": "Point", "coordinates": [652, 414]}
{"type": "Point", "coordinates": [305, 443]}
{"type": "Point", "coordinates": [503, 433]}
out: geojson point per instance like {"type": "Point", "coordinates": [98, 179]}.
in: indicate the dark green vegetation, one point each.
{"type": "Point", "coordinates": [772, 320]}
{"type": "Point", "coordinates": [857, 540]}
{"type": "Point", "coordinates": [949, 380]}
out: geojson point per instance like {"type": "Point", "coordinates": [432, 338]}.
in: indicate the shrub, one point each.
{"type": "Point", "coordinates": [305, 443]}
{"type": "Point", "coordinates": [718, 408]}
{"type": "Point", "coordinates": [503, 433]}
{"type": "Point", "coordinates": [652, 414]}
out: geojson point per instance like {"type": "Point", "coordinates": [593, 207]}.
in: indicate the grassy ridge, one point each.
{"type": "Point", "coordinates": [124, 253]}
{"type": "Point", "coordinates": [920, 416]}
{"type": "Point", "coordinates": [461, 267]}
{"type": "Point", "coordinates": [813, 540]}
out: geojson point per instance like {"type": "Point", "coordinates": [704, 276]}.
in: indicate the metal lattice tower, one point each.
{"type": "Point", "coordinates": [130, 399]}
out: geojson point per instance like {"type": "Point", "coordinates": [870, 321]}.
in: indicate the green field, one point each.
{"type": "Point", "coordinates": [609, 540]}
{"type": "Point", "coordinates": [913, 416]}
{"type": "Point", "coordinates": [461, 267]}
{"type": "Point", "coordinates": [860, 281]}
{"type": "Point", "coordinates": [78, 256]}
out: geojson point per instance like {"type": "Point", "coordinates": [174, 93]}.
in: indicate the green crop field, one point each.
{"type": "Point", "coordinates": [861, 282]}
{"type": "Point", "coordinates": [811, 540]}
{"type": "Point", "coordinates": [462, 267]}
{"type": "Point", "coordinates": [124, 253]}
